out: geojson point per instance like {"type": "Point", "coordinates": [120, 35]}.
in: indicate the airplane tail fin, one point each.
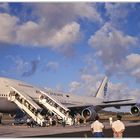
{"type": "Point", "coordinates": [101, 92]}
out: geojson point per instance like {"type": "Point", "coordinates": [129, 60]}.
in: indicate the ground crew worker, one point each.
{"type": "Point", "coordinates": [97, 128]}
{"type": "Point", "coordinates": [118, 127]}
{"type": "Point", "coordinates": [28, 122]}
{"type": "Point", "coordinates": [50, 120]}
{"type": "Point", "coordinates": [110, 120]}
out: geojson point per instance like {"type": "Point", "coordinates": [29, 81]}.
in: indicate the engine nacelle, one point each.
{"type": "Point", "coordinates": [135, 110]}
{"type": "Point", "coordinates": [89, 113]}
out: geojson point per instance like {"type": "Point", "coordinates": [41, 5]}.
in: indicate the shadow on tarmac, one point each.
{"type": "Point", "coordinates": [130, 132]}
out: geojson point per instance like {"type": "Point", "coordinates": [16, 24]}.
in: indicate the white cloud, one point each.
{"type": "Point", "coordinates": [36, 35]}
{"type": "Point", "coordinates": [22, 67]}
{"type": "Point", "coordinates": [91, 65]}
{"type": "Point", "coordinates": [4, 6]}
{"type": "Point", "coordinates": [31, 33]}
{"type": "Point", "coordinates": [64, 13]}
{"type": "Point", "coordinates": [122, 91]}
{"type": "Point", "coordinates": [87, 78]}
{"type": "Point", "coordinates": [52, 66]}
{"type": "Point", "coordinates": [28, 33]}
{"type": "Point", "coordinates": [87, 85]}
{"type": "Point", "coordinates": [56, 26]}
{"type": "Point", "coordinates": [18, 64]}
{"type": "Point", "coordinates": [74, 86]}
{"type": "Point", "coordinates": [90, 83]}
{"type": "Point", "coordinates": [66, 36]}
{"type": "Point", "coordinates": [132, 61]}
{"type": "Point", "coordinates": [32, 68]}
{"type": "Point", "coordinates": [111, 45]}
{"type": "Point", "coordinates": [118, 12]}
{"type": "Point", "coordinates": [115, 91]}
{"type": "Point", "coordinates": [8, 26]}
{"type": "Point", "coordinates": [131, 66]}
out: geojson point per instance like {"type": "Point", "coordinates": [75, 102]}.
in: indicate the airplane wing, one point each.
{"type": "Point", "coordinates": [89, 111]}
{"type": "Point", "coordinates": [105, 104]}
{"type": "Point", "coordinates": [118, 103]}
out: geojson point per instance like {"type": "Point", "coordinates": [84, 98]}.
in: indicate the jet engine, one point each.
{"type": "Point", "coordinates": [135, 110]}
{"type": "Point", "coordinates": [89, 113]}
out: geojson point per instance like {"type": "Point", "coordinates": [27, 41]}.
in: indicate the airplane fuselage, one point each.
{"type": "Point", "coordinates": [68, 99]}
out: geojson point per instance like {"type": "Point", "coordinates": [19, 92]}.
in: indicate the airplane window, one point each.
{"type": "Point", "coordinates": [37, 91]}
{"type": "Point", "coordinates": [67, 96]}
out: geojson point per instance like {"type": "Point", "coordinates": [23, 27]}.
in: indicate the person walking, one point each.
{"type": "Point", "coordinates": [118, 127]}
{"type": "Point", "coordinates": [97, 128]}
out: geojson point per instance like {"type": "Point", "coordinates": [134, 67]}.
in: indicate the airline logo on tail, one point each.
{"type": "Point", "coordinates": [105, 89]}
{"type": "Point", "coordinates": [102, 90]}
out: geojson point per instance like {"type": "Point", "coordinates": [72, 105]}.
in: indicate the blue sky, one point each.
{"type": "Point", "coordinates": [71, 46]}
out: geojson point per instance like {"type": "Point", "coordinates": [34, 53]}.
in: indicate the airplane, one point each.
{"type": "Point", "coordinates": [16, 95]}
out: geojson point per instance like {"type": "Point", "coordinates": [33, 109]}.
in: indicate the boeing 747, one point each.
{"type": "Point", "coordinates": [15, 95]}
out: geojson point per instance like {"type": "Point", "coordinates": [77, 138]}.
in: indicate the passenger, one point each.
{"type": "Point", "coordinates": [50, 120]}
{"type": "Point", "coordinates": [64, 122]}
{"type": "Point", "coordinates": [46, 122]}
{"type": "Point", "coordinates": [85, 121]}
{"type": "Point", "coordinates": [31, 122]}
{"type": "Point", "coordinates": [97, 128]}
{"type": "Point", "coordinates": [74, 120]}
{"type": "Point", "coordinates": [56, 120]}
{"type": "Point", "coordinates": [28, 122]}
{"type": "Point", "coordinates": [78, 117]}
{"type": "Point", "coordinates": [118, 127]}
{"type": "Point", "coordinates": [110, 120]}
{"type": "Point", "coordinates": [70, 120]}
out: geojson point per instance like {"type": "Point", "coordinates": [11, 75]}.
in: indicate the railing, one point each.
{"type": "Point", "coordinates": [26, 104]}
{"type": "Point", "coordinates": [54, 106]}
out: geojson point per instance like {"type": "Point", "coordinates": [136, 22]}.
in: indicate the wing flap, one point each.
{"type": "Point", "coordinates": [118, 103]}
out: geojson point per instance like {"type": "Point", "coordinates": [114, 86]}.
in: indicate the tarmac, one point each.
{"type": "Point", "coordinates": [22, 131]}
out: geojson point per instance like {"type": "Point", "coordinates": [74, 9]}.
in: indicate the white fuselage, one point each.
{"type": "Point", "coordinates": [69, 100]}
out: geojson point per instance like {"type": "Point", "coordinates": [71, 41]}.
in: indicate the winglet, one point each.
{"type": "Point", "coordinates": [101, 92]}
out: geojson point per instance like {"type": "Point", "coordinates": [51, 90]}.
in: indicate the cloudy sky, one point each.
{"type": "Point", "coordinates": [70, 47]}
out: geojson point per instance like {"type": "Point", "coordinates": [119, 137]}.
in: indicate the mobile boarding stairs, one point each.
{"type": "Point", "coordinates": [30, 107]}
